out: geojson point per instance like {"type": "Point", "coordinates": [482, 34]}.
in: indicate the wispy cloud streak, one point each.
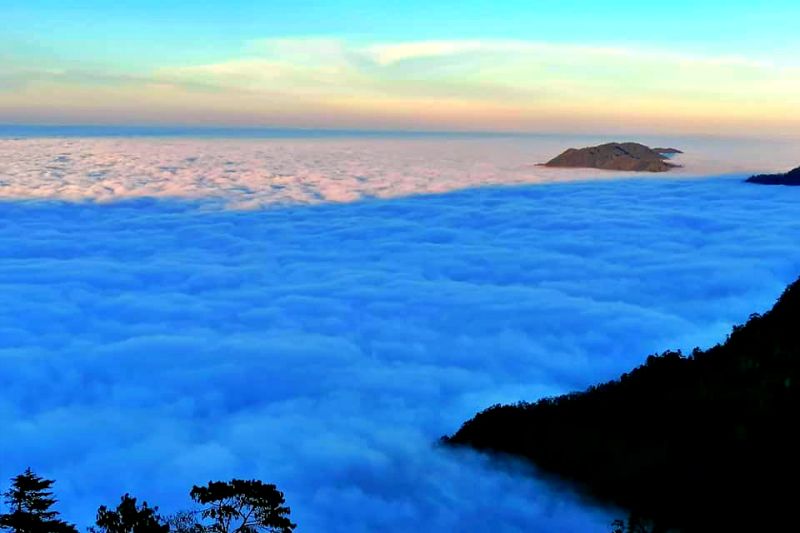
{"type": "Point", "coordinates": [467, 84]}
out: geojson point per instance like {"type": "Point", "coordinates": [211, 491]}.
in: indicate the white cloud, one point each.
{"type": "Point", "coordinates": [254, 172]}
{"type": "Point", "coordinates": [389, 53]}
{"type": "Point", "coordinates": [365, 66]}
{"type": "Point", "coordinates": [147, 345]}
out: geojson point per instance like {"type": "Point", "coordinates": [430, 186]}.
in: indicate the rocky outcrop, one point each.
{"type": "Point", "coordinates": [629, 157]}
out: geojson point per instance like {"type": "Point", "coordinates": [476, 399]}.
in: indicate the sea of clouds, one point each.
{"type": "Point", "coordinates": [150, 344]}
{"type": "Point", "coordinates": [252, 173]}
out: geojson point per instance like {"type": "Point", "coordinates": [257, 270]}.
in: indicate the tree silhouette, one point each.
{"type": "Point", "coordinates": [129, 518]}
{"type": "Point", "coordinates": [30, 501]}
{"type": "Point", "coordinates": [634, 524]}
{"type": "Point", "coordinates": [184, 522]}
{"type": "Point", "coordinates": [240, 506]}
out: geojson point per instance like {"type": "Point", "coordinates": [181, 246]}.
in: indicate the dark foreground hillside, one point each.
{"type": "Point", "coordinates": [707, 442]}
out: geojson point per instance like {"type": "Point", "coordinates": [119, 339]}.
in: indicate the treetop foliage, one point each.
{"type": "Point", "coordinates": [241, 506]}
{"type": "Point", "coordinates": [235, 506]}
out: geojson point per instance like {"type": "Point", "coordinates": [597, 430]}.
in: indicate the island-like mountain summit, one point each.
{"type": "Point", "coordinates": [630, 156]}
{"type": "Point", "coordinates": [790, 178]}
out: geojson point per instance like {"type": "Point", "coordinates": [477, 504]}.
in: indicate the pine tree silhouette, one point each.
{"type": "Point", "coordinates": [30, 501]}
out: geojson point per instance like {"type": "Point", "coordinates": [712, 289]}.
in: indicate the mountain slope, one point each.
{"type": "Point", "coordinates": [701, 443]}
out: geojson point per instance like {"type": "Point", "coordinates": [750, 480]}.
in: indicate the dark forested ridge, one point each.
{"type": "Point", "coordinates": [790, 178]}
{"type": "Point", "coordinates": [706, 442]}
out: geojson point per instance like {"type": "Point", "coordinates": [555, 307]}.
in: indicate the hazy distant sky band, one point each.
{"type": "Point", "coordinates": [534, 66]}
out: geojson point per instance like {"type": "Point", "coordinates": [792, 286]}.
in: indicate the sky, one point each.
{"type": "Point", "coordinates": [567, 66]}
{"type": "Point", "coordinates": [708, 67]}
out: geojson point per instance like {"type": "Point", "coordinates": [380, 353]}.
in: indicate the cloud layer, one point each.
{"type": "Point", "coordinates": [255, 172]}
{"type": "Point", "coordinates": [146, 345]}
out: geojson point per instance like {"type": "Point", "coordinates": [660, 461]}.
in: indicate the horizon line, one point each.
{"type": "Point", "coordinates": [277, 131]}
